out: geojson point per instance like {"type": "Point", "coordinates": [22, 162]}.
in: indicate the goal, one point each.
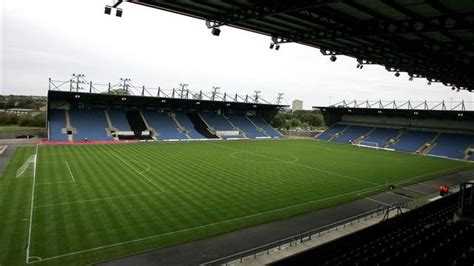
{"type": "Point", "coordinates": [26, 169]}
{"type": "Point", "coordinates": [369, 144]}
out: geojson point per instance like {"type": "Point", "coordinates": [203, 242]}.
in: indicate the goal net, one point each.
{"type": "Point", "coordinates": [369, 144]}
{"type": "Point", "coordinates": [27, 168]}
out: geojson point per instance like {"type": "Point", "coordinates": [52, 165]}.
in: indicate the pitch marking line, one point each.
{"type": "Point", "coordinates": [358, 192]}
{"type": "Point", "coordinates": [61, 182]}
{"type": "Point", "coordinates": [378, 201]}
{"type": "Point", "coordinates": [69, 169]}
{"type": "Point", "coordinates": [93, 200]}
{"type": "Point", "coordinates": [28, 245]}
{"type": "Point", "coordinates": [300, 165]}
{"type": "Point", "coordinates": [417, 191]}
{"type": "Point", "coordinates": [200, 227]}
{"type": "Point", "coordinates": [138, 172]}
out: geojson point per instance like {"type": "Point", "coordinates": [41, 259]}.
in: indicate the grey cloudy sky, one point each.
{"type": "Point", "coordinates": [55, 38]}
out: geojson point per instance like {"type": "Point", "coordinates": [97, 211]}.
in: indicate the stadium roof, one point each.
{"type": "Point", "coordinates": [430, 39]}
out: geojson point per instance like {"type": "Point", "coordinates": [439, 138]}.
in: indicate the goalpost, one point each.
{"type": "Point", "coordinates": [26, 169]}
{"type": "Point", "coordinates": [369, 144]}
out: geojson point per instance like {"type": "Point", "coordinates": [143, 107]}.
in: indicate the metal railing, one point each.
{"type": "Point", "coordinates": [302, 237]}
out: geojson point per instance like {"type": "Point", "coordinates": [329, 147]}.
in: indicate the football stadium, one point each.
{"type": "Point", "coordinates": [146, 176]}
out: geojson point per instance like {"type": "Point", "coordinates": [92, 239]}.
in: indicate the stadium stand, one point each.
{"type": "Point", "coordinates": [471, 157]}
{"type": "Point", "coordinates": [352, 133]}
{"type": "Point", "coordinates": [411, 140]}
{"type": "Point", "coordinates": [57, 121]}
{"type": "Point", "coordinates": [452, 145]}
{"type": "Point", "coordinates": [164, 125]}
{"type": "Point", "coordinates": [424, 236]}
{"type": "Point", "coordinates": [382, 135]}
{"type": "Point", "coordinates": [119, 120]}
{"type": "Point", "coordinates": [186, 122]}
{"type": "Point", "coordinates": [269, 130]}
{"type": "Point", "coordinates": [330, 132]}
{"type": "Point", "coordinates": [89, 124]}
{"type": "Point", "coordinates": [243, 123]}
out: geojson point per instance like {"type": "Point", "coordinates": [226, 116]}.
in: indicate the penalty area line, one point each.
{"type": "Point", "coordinates": [70, 172]}
{"type": "Point", "coordinates": [138, 172]}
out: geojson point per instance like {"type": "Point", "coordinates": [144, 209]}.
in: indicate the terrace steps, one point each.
{"type": "Point", "coordinates": [110, 126]}
{"type": "Point", "coordinates": [153, 135]}
{"type": "Point", "coordinates": [257, 127]}
{"type": "Point", "coordinates": [339, 133]}
{"type": "Point", "coordinates": [68, 125]}
{"type": "Point", "coordinates": [395, 140]}
{"type": "Point", "coordinates": [241, 132]}
{"type": "Point", "coordinates": [427, 147]}
{"type": "Point", "coordinates": [180, 127]}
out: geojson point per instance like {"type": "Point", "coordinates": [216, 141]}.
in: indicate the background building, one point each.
{"type": "Point", "coordinates": [297, 105]}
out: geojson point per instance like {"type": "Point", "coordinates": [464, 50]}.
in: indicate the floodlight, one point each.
{"type": "Point", "coordinates": [333, 58]}
{"type": "Point", "coordinates": [215, 31]}
{"type": "Point", "coordinates": [108, 10]}
{"type": "Point", "coordinates": [397, 74]}
{"type": "Point", "coordinates": [119, 12]}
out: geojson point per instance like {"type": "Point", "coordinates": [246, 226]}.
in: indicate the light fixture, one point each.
{"type": "Point", "coordinates": [360, 66]}
{"type": "Point", "coordinates": [108, 10]}
{"type": "Point", "coordinates": [397, 74]}
{"type": "Point", "coordinates": [216, 31]}
{"type": "Point", "coordinates": [272, 45]}
{"type": "Point", "coordinates": [333, 58]}
{"type": "Point", "coordinates": [277, 47]}
{"type": "Point", "coordinates": [119, 12]}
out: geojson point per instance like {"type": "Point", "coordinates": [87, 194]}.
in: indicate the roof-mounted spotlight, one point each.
{"type": "Point", "coordinates": [272, 45]}
{"type": "Point", "coordinates": [397, 74]}
{"type": "Point", "coordinates": [118, 12]}
{"type": "Point", "coordinates": [453, 88]}
{"type": "Point", "coordinates": [333, 58]}
{"type": "Point", "coordinates": [360, 66]}
{"type": "Point", "coordinates": [108, 10]}
{"type": "Point", "coordinates": [277, 47]}
{"type": "Point", "coordinates": [216, 31]}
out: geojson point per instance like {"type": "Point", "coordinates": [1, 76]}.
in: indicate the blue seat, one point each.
{"type": "Point", "coordinates": [411, 140]}
{"type": "Point", "coordinates": [269, 130]}
{"type": "Point", "coordinates": [185, 122]}
{"type": "Point", "coordinates": [243, 123]}
{"type": "Point", "coordinates": [119, 120]}
{"type": "Point", "coordinates": [452, 145]}
{"type": "Point", "coordinates": [330, 132]}
{"type": "Point", "coordinates": [352, 133]}
{"type": "Point", "coordinates": [382, 135]}
{"type": "Point", "coordinates": [218, 122]}
{"type": "Point", "coordinates": [164, 125]}
{"type": "Point", "coordinates": [57, 121]}
{"type": "Point", "coordinates": [89, 124]}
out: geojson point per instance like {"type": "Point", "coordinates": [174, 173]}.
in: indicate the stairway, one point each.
{"type": "Point", "coordinates": [110, 126]}
{"type": "Point", "coordinates": [257, 127]}
{"type": "Point", "coordinates": [201, 126]}
{"type": "Point", "coordinates": [153, 135]}
{"type": "Point", "coordinates": [137, 124]}
{"type": "Point", "coordinates": [68, 126]}
{"type": "Point", "coordinates": [339, 133]}
{"type": "Point", "coordinates": [428, 146]}
{"type": "Point", "coordinates": [241, 132]}
{"type": "Point", "coordinates": [180, 127]}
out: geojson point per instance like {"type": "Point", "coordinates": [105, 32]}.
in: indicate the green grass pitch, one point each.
{"type": "Point", "coordinates": [86, 203]}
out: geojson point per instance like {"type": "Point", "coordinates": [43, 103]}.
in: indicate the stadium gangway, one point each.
{"type": "Point", "coordinates": [305, 236]}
